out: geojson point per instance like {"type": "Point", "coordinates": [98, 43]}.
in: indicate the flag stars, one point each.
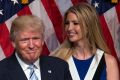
{"type": "Point", "coordinates": [1, 12]}
{"type": "Point", "coordinates": [96, 5]}
{"type": "Point", "coordinates": [15, 2]}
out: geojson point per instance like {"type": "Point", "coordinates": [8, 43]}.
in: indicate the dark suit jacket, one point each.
{"type": "Point", "coordinates": [10, 69]}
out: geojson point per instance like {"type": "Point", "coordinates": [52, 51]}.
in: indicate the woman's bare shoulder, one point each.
{"type": "Point", "coordinates": [110, 59]}
{"type": "Point", "coordinates": [111, 67]}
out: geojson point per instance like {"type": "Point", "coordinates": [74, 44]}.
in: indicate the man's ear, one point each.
{"type": "Point", "coordinates": [43, 42]}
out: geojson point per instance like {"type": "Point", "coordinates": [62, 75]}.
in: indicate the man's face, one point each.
{"type": "Point", "coordinates": [29, 45]}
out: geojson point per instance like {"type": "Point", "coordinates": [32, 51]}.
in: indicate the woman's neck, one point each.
{"type": "Point", "coordinates": [83, 50]}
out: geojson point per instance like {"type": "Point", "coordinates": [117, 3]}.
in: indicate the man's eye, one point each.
{"type": "Point", "coordinates": [36, 38]}
{"type": "Point", "coordinates": [24, 40]}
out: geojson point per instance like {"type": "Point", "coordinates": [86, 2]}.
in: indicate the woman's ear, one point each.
{"type": "Point", "coordinates": [13, 44]}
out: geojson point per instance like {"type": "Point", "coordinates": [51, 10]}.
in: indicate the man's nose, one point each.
{"type": "Point", "coordinates": [31, 43]}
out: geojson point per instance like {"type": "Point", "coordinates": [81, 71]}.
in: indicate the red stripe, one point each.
{"type": "Point", "coordinates": [5, 41]}
{"type": "Point", "coordinates": [77, 1]}
{"type": "Point", "coordinates": [24, 11]}
{"type": "Point", "coordinates": [118, 11]}
{"type": "Point", "coordinates": [55, 16]}
{"type": "Point", "coordinates": [45, 50]}
{"type": "Point", "coordinates": [108, 36]}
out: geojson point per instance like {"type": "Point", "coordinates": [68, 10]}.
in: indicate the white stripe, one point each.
{"type": "Point", "coordinates": [89, 1]}
{"type": "Point", "coordinates": [73, 69]}
{"type": "Point", "coordinates": [9, 21]}
{"type": "Point", "coordinates": [63, 5]}
{"type": "Point", "coordinates": [2, 56]}
{"type": "Point", "coordinates": [91, 70]}
{"type": "Point", "coordinates": [94, 65]}
{"type": "Point", "coordinates": [113, 25]}
{"type": "Point", "coordinates": [51, 40]}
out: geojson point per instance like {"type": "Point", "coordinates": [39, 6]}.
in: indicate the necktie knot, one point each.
{"type": "Point", "coordinates": [31, 67]}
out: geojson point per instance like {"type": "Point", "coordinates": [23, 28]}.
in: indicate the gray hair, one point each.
{"type": "Point", "coordinates": [25, 22]}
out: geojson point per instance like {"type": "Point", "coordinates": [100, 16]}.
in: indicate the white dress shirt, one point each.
{"type": "Point", "coordinates": [25, 67]}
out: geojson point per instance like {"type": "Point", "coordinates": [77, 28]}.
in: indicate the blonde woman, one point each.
{"type": "Point", "coordinates": [84, 48]}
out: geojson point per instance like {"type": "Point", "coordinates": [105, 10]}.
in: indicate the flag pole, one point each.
{"type": "Point", "coordinates": [24, 1]}
{"type": "Point", "coordinates": [114, 1]}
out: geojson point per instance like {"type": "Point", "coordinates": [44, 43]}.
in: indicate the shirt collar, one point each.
{"type": "Point", "coordinates": [24, 65]}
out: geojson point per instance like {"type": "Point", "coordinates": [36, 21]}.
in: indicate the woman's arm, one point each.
{"type": "Point", "coordinates": [112, 68]}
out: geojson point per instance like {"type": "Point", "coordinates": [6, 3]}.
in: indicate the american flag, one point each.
{"type": "Point", "coordinates": [51, 12]}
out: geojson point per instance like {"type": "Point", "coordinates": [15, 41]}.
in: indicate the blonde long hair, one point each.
{"type": "Point", "coordinates": [88, 17]}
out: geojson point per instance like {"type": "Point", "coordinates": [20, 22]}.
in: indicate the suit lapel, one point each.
{"type": "Point", "coordinates": [46, 71]}
{"type": "Point", "coordinates": [15, 70]}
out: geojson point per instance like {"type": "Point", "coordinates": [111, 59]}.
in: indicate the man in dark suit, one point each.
{"type": "Point", "coordinates": [27, 36]}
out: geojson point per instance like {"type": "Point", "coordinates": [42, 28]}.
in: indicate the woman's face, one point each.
{"type": "Point", "coordinates": [73, 28]}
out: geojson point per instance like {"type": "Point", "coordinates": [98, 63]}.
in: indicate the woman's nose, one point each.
{"type": "Point", "coordinates": [70, 26]}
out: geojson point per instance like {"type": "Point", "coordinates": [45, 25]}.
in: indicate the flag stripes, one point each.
{"type": "Point", "coordinates": [113, 25]}
{"type": "Point", "coordinates": [51, 12]}
{"type": "Point", "coordinates": [4, 40]}
{"type": "Point", "coordinates": [63, 5]}
{"type": "Point", "coordinates": [55, 17]}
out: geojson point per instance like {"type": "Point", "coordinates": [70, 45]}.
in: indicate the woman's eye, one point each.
{"type": "Point", "coordinates": [66, 23]}
{"type": "Point", "coordinates": [76, 23]}
{"type": "Point", "coordinates": [72, 22]}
